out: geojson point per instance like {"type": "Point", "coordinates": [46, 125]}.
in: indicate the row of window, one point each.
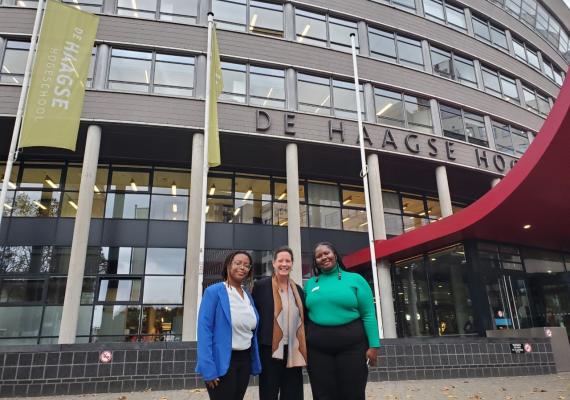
{"type": "Point", "coordinates": [265, 87]}
{"type": "Point", "coordinates": [160, 73]}
{"type": "Point", "coordinates": [533, 14]}
{"type": "Point", "coordinates": [127, 193]}
{"type": "Point", "coordinates": [314, 28]}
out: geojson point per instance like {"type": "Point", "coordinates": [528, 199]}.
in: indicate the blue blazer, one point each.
{"type": "Point", "coordinates": [215, 334]}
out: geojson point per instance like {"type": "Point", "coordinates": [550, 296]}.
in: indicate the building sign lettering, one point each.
{"type": "Point", "coordinates": [380, 138]}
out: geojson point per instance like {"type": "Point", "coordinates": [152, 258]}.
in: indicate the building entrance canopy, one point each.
{"type": "Point", "coordinates": [530, 206]}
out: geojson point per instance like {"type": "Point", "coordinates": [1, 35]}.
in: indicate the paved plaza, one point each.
{"type": "Point", "coordinates": [542, 387]}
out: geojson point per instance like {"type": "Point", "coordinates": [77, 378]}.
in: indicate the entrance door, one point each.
{"type": "Point", "coordinates": [508, 299]}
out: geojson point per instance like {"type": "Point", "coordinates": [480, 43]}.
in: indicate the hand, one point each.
{"type": "Point", "coordinates": [371, 355]}
{"type": "Point", "coordinates": [213, 383]}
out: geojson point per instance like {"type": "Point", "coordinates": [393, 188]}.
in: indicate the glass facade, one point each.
{"type": "Point", "coordinates": [451, 66]}
{"type": "Point", "coordinates": [249, 16]}
{"type": "Point", "coordinates": [248, 84]}
{"type": "Point", "coordinates": [151, 72]}
{"type": "Point", "coordinates": [324, 30]}
{"type": "Point", "coordinates": [389, 46]}
{"type": "Point", "coordinates": [463, 125]}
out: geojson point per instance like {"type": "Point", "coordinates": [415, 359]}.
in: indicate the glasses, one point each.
{"type": "Point", "coordinates": [241, 264]}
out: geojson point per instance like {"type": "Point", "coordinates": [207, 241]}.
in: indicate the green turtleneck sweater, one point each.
{"type": "Point", "coordinates": [331, 301]}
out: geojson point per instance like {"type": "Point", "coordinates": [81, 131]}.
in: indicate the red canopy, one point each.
{"type": "Point", "coordinates": [535, 192]}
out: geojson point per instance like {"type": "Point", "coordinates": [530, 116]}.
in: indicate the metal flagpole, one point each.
{"type": "Point", "coordinates": [364, 174]}
{"type": "Point", "coordinates": [206, 166]}
{"type": "Point", "coordinates": [23, 97]}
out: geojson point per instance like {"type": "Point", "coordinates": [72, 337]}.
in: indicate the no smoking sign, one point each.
{"type": "Point", "coordinates": [106, 356]}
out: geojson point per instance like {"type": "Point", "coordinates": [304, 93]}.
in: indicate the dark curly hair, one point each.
{"type": "Point", "coordinates": [230, 258]}
{"type": "Point", "coordinates": [316, 269]}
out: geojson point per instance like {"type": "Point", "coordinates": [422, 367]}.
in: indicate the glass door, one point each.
{"type": "Point", "coordinates": [508, 300]}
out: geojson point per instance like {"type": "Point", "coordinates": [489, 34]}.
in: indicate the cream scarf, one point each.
{"type": "Point", "coordinates": [297, 348]}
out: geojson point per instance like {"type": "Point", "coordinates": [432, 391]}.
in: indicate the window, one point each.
{"type": "Point", "coordinates": [497, 83]}
{"type": "Point", "coordinates": [536, 101]}
{"type": "Point", "coordinates": [452, 66]}
{"type": "Point", "coordinates": [509, 139]}
{"type": "Point", "coordinates": [399, 109]}
{"type": "Point", "coordinates": [392, 47]}
{"type": "Point", "coordinates": [324, 30]}
{"type": "Point", "coordinates": [179, 11]}
{"type": "Point", "coordinates": [266, 85]}
{"type": "Point", "coordinates": [151, 72]}
{"type": "Point", "coordinates": [92, 6]}
{"type": "Point", "coordinates": [440, 10]}
{"type": "Point", "coordinates": [523, 52]}
{"type": "Point", "coordinates": [484, 30]}
{"type": "Point", "coordinates": [462, 125]}
{"type": "Point", "coordinates": [339, 34]}
{"type": "Point", "coordinates": [14, 62]}
{"type": "Point", "coordinates": [327, 96]}
{"type": "Point", "coordinates": [551, 72]}
{"type": "Point", "coordinates": [311, 28]}
{"type": "Point", "coordinates": [250, 16]}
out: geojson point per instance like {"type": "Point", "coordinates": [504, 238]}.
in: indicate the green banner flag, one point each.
{"type": "Point", "coordinates": [216, 86]}
{"type": "Point", "coordinates": [57, 87]}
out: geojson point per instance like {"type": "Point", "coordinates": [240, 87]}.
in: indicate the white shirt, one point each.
{"type": "Point", "coordinates": [243, 317]}
{"type": "Point", "coordinates": [285, 311]}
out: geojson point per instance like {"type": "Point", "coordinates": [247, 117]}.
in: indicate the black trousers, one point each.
{"type": "Point", "coordinates": [233, 385]}
{"type": "Point", "coordinates": [276, 380]}
{"type": "Point", "coordinates": [337, 361]}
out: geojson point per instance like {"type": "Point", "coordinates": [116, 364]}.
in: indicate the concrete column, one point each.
{"type": "Point", "coordinates": [530, 137]}
{"type": "Point", "coordinates": [435, 117]}
{"type": "Point", "coordinates": [364, 48]}
{"type": "Point", "coordinates": [203, 10]}
{"type": "Point", "coordinates": [2, 40]}
{"type": "Point", "coordinates": [294, 211]}
{"type": "Point", "coordinates": [369, 109]}
{"type": "Point", "coordinates": [510, 42]}
{"type": "Point", "coordinates": [379, 229]}
{"type": "Point", "coordinates": [291, 89]}
{"type": "Point", "coordinates": [490, 133]}
{"type": "Point", "coordinates": [109, 6]}
{"type": "Point", "coordinates": [191, 288]}
{"type": "Point", "coordinates": [72, 300]}
{"type": "Point", "coordinates": [520, 92]}
{"type": "Point", "coordinates": [495, 182]}
{"type": "Point", "coordinates": [101, 62]}
{"type": "Point", "coordinates": [479, 74]}
{"type": "Point", "coordinates": [468, 21]}
{"type": "Point", "coordinates": [419, 7]}
{"type": "Point", "coordinates": [427, 56]}
{"type": "Point", "coordinates": [200, 71]}
{"type": "Point", "coordinates": [540, 60]}
{"type": "Point", "coordinates": [443, 191]}
{"type": "Point", "coordinates": [289, 21]}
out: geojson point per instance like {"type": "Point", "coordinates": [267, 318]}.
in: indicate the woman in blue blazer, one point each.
{"type": "Point", "coordinates": [227, 332]}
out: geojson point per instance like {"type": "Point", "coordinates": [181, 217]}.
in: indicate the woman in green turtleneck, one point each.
{"type": "Point", "coordinates": [342, 330]}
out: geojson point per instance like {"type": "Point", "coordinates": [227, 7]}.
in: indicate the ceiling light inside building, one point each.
{"type": "Point", "coordinates": [173, 188]}
{"type": "Point", "coordinates": [527, 226]}
{"type": "Point", "coordinates": [282, 195]}
{"type": "Point", "coordinates": [304, 33]}
{"type": "Point", "coordinates": [247, 194]}
{"type": "Point", "coordinates": [212, 190]}
{"type": "Point", "coordinates": [50, 182]}
{"type": "Point", "coordinates": [384, 109]}
{"type": "Point", "coordinates": [347, 200]}
{"type": "Point", "coordinates": [134, 186]}
{"type": "Point", "coordinates": [72, 204]}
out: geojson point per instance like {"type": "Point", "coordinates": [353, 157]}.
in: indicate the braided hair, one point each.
{"type": "Point", "coordinates": [316, 269]}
